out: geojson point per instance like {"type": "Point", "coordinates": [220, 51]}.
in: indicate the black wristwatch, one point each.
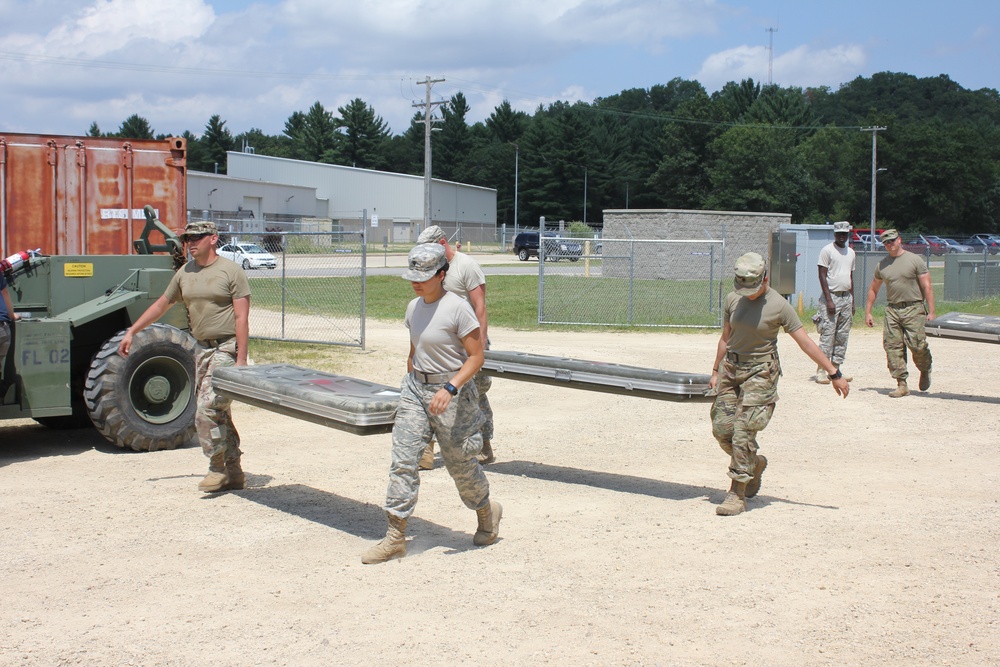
{"type": "Point", "coordinates": [451, 389]}
{"type": "Point", "coordinates": [836, 376]}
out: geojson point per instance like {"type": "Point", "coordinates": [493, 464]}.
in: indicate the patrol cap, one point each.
{"type": "Point", "coordinates": [888, 235]}
{"type": "Point", "coordinates": [432, 234]}
{"type": "Point", "coordinates": [750, 273]}
{"type": "Point", "coordinates": [424, 261]}
{"type": "Point", "coordinates": [842, 226]}
{"type": "Point", "coordinates": [198, 227]}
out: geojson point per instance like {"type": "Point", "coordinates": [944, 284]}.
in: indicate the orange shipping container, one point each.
{"type": "Point", "coordinates": [84, 195]}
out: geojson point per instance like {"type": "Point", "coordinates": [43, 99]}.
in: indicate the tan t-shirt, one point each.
{"type": "Point", "coordinates": [900, 275]}
{"type": "Point", "coordinates": [754, 324]}
{"type": "Point", "coordinates": [437, 330]}
{"type": "Point", "coordinates": [208, 293]}
{"type": "Point", "coordinates": [464, 275]}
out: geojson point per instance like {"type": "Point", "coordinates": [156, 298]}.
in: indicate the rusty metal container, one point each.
{"type": "Point", "coordinates": [84, 195]}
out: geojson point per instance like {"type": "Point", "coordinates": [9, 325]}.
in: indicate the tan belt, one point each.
{"type": "Point", "coordinates": [904, 304]}
{"type": "Point", "coordinates": [433, 378]}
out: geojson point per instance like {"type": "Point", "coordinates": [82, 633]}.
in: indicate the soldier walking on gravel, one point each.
{"type": "Point", "coordinates": [836, 307]}
{"type": "Point", "coordinates": [437, 398]}
{"type": "Point", "coordinates": [466, 279]}
{"type": "Point", "coordinates": [746, 371]}
{"type": "Point", "coordinates": [907, 287]}
{"type": "Point", "coordinates": [216, 293]}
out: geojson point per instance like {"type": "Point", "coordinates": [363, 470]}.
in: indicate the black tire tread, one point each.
{"type": "Point", "coordinates": [103, 384]}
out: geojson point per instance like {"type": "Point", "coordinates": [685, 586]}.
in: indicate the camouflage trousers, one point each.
{"type": "Point", "coordinates": [214, 418]}
{"type": "Point", "coordinates": [904, 328]}
{"type": "Point", "coordinates": [743, 406]}
{"type": "Point", "coordinates": [483, 383]}
{"type": "Point", "coordinates": [457, 431]}
{"type": "Point", "coordinates": [834, 331]}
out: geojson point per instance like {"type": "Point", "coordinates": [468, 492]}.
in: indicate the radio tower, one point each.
{"type": "Point", "coordinates": [770, 53]}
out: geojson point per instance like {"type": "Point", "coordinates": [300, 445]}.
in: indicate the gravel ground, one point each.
{"type": "Point", "coordinates": [874, 540]}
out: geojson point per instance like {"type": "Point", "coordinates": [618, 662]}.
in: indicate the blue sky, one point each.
{"type": "Point", "coordinates": [67, 63]}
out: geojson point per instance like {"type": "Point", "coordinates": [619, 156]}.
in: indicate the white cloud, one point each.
{"type": "Point", "coordinates": [802, 66]}
{"type": "Point", "coordinates": [108, 26]}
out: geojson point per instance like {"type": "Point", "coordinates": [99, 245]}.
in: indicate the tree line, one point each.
{"type": "Point", "coordinates": [746, 147]}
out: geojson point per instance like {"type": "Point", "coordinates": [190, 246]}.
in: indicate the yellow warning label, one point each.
{"type": "Point", "coordinates": [78, 270]}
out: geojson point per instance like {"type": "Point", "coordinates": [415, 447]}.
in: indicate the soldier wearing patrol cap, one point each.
{"type": "Point", "coordinates": [836, 307]}
{"type": "Point", "coordinates": [466, 279]}
{"type": "Point", "coordinates": [437, 398]}
{"type": "Point", "coordinates": [216, 293]}
{"type": "Point", "coordinates": [746, 371]}
{"type": "Point", "coordinates": [907, 288]}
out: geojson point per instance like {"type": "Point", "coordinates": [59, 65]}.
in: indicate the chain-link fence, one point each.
{"type": "Point", "coordinates": [305, 287]}
{"type": "Point", "coordinates": [631, 282]}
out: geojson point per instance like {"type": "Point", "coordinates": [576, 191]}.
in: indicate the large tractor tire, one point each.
{"type": "Point", "coordinates": [145, 401]}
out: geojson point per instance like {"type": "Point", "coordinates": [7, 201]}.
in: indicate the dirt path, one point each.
{"type": "Point", "coordinates": [874, 540]}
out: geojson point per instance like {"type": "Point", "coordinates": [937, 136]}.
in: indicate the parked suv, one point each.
{"type": "Point", "coordinates": [556, 248]}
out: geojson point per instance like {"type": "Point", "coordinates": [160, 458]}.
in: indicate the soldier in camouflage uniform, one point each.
{"type": "Point", "coordinates": [466, 279]}
{"type": "Point", "coordinates": [836, 307]}
{"type": "Point", "coordinates": [907, 287]}
{"type": "Point", "coordinates": [746, 371]}
{"type": "Point", "coordinates": [216, 293]}
{"type": "Point", "coordinates": [437, 398]}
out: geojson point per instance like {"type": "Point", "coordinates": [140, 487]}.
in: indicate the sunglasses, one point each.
{"type": "Point", "coordinates": [191, 238]}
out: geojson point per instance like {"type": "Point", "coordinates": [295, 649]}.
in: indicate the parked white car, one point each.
{"type": "Point", "coordinates": [248, 255]}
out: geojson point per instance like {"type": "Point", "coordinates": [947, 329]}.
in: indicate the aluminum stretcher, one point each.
{"type": "Point", "coordinates": [965, 326]}
{"type": "Point", "coordinates": [366, 408]}
{"type": "Point", "coordinates": [337, 401]}
{"type": "Point", "coordinates": [597, 376]}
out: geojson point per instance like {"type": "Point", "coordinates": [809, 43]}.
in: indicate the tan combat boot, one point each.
{"type": "Point", "coordinates": [900, 391]}
{"type": "Point", "coordinates": [735, 502]}
{"type": "Point", "coordinates": [821, 376]}
{"type": "Point", "coordinates": [925, 380]}
{"type": "Point", "coordinates": [489, 524]}
{"type": "Point", "coordinates": [753, 486]}
{"type": "Point", "coordinates": [237, 478]}
{"type": "Point", "coordinates": [486, 456]}
{"type": "Point", "coordinates": [427, 458]}
{"type": "Point", "coordinates": [216, 479]}
{"type": "Point", "coordinates": [393, 545]}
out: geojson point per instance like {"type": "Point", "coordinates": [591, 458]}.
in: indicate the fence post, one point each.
{"type": "Point", "coordinates": [284, 279]}
{"type": "Point", "coordinates": [364, 271]}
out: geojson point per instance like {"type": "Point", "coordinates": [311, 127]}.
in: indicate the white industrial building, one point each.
{"type": "Point", "coordinates": [263, 192]}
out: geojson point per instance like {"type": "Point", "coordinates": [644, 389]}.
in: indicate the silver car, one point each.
{"type": "Point", "coordinates": [955, 246]}
{"type": "Point", "coordinates": [248, 255]}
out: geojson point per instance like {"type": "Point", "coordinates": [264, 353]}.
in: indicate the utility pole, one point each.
{"type": "Point", "coordinates": [874, 130]}
{"type": "Point", "coordinates": [428, 122]}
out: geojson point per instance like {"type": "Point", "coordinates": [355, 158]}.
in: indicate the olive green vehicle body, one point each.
{"type": "Point", "coordinates": [73, 310]}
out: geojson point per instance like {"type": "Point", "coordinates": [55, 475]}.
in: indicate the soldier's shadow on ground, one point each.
{"type": "Point", "coordinates": [350, 516]}
{"type": "Point", "coordinates": [946, 396]}
{"type": "Point", "coordinates": [654, 488]}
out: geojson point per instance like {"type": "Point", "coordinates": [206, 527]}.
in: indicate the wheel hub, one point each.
{"type": "Point", "coordinates": [157, 389]}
